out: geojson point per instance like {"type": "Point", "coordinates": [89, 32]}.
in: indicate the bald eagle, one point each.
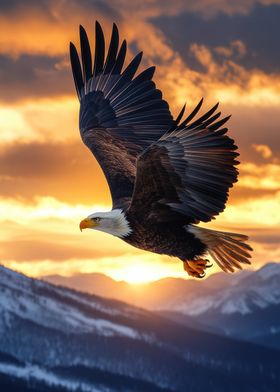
{"type": "Point", "coordinates": [165, 175]}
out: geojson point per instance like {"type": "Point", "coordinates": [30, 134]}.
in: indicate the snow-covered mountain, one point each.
{"type": "Point", "coordinates": [242, 294]}
{"type": "Point", "coordinates": [61, 309]}
{"type": "Point", "coordinates": [57, 339]}
{"type": "Point", "coordinates": [247, 307]}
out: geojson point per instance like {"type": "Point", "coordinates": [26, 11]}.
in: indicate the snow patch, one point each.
{"type": "Point", "coordinates": [31, 372]}
{"type": "Point", "coordinates": [48, 305]}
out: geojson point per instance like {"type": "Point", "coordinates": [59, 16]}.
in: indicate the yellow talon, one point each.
{"type": "Point", "coordinates": [196, 268]}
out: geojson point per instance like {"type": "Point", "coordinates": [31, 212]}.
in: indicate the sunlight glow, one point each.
{"type": "Point", "coordinates": [54, 223]}
{"type": "Point", "coordinates": [134, 269]}
{"type": "Point", "coordinates": [254, 213]}
{"type": "Point", "coordinates": [41, 120]}
{"type": "Point", "coordinates": [264, 176]}
{"type": "Point", "coordinates": [147, 268]}
{"type": "Point", "coordinates": [253, 96]}
{"type": "Point", "coordinates": [45, 207]}
{"type": "Point", "coordinates": [14, 126]}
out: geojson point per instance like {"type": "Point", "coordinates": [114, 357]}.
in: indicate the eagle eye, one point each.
{"type": "Point", "coordinates": [97, 219]}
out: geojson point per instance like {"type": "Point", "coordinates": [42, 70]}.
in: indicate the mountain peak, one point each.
{"type": "Point", "coordinates": [84, 342]}
{"type": "Point", "coordinates": [270, 269]}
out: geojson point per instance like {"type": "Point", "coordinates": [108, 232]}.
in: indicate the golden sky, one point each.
{"type": "Point", "coordinates": [50, 181]}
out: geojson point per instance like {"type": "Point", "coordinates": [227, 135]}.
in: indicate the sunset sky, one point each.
{"type": "Point", "coordinates": [222, 50]}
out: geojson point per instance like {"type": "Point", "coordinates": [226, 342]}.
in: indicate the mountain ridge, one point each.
{"type": "Point", "coordinates": [244, 305]}
{"type": "Point", "coordinates": [159, 291]}
{"type": "Point", "coordinates": [73, 336]}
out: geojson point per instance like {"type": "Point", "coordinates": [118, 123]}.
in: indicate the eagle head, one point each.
{"type": "Point", "coordinates": [113, 222]}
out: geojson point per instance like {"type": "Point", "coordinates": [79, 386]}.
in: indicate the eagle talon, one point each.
{"type": "Point", "coordinates": [196, 268]}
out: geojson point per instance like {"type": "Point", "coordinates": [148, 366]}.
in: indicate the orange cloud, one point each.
{"type": "Point", "coordinates": [47, 30]}
{"type": "Point", "coordinates": [41, 120]}
{"type": "Point", "coordinates": [67, 171]}
{"type": "Point", "coordinates": [263, 149]}
{"type": "Point", "coordinates": [236, 46]}
{"type": "Point", "coordinates": [264, 176]}
{"type": "Point", "coordinates": [233, 83]}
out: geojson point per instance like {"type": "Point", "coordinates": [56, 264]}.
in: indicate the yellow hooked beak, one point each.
{"type": "Point", "coordinates": [87, 224]}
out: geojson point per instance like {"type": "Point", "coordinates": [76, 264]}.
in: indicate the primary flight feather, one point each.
{"type": "Point", "coordinates": [165, 175]}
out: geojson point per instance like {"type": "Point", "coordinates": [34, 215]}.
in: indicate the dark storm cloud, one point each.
{"type": "Point", "coordinates": [259, 30]}
{"type": "Point", "coordinates": [14, 5]}
{"type": "Point", "coordinates": [104, 7]}
{"type": "Point", "coordinates": [31, 76]}
{"type": "Point", "coordinates": [66, 171]}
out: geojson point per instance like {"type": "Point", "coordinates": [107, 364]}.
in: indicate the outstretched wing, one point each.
{"type": "Point", "coordinates": [187, 173]}
{"type": "Point", "coordinates": [119, 115]}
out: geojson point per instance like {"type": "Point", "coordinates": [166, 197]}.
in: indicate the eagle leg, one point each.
{"type": "Point", "coordinates": [196, 268]}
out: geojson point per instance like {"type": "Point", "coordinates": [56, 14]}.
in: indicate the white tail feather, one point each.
{"type": "Point", "coordinates": [228, 250]}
